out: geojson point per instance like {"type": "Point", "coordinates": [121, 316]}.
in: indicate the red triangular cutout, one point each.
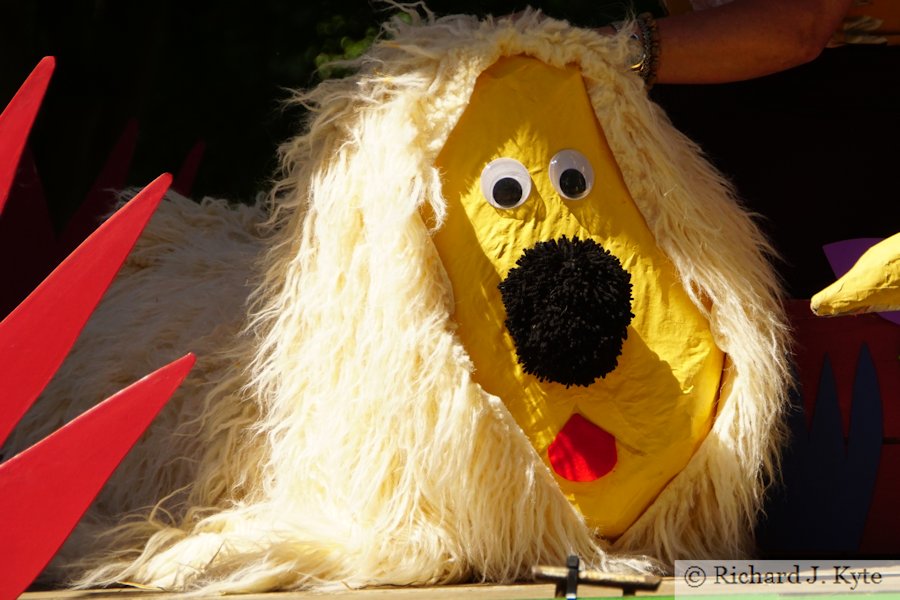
{"type": "Point", "coordinates": [27, 238]}
{"type": "Point", "coordinates": [16, 121]}
{"type": "Point", "coordinates": [187, 174]}
{"type": "Point", "coordinates": [102, 196]}
{"type": "Point", "coordinates": [46, 489]}
{"type": "Point", "coordinates": [37, 335]}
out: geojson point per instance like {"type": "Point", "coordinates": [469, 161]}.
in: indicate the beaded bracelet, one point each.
{"type": "Point", "coordinates": [647, 35]}
{"type": "Point", "coordinates": [650, 43]}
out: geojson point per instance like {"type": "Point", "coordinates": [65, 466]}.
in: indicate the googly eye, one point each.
{"type": "Point", "coordinates": [505, 183]}
{"type": "Point", "coordinates": [571, 174]}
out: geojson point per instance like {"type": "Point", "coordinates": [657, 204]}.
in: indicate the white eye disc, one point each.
{"type": "Point", "coordinates": [505, 183]}
{"type": "Point", "coordinates": [571, 174]}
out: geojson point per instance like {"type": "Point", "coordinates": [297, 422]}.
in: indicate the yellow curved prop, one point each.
{"type": "Point", "coordinates": [871, 285]}
{"type": "Point", "coordinates": [660, 401]}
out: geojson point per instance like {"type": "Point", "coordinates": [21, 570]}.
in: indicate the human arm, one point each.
{"type": "Point", "coordinates": [745, 39]}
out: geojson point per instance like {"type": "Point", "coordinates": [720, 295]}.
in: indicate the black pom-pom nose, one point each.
{"type": "Point", "coordinates": [568, 306]}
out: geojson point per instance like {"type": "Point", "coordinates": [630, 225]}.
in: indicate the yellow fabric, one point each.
{"type": "Point", "coordinates": [660, 401]}
{"type": "Point", "coordinates": [871, 285]}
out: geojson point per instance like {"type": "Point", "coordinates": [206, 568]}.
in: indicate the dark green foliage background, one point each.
{"type": "Point", "coordinates": [799, 145]}
{"type": "Point", "coordinates": [190, 70]}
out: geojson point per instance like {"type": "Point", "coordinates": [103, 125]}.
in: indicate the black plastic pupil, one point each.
{"type": "Point", "coordinates": [507, 192]}
{"type": "Point", "coordinates": [572, 183]}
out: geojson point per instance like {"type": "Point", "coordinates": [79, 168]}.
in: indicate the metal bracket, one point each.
{"type": "Point", "coordinates": [567, 579]}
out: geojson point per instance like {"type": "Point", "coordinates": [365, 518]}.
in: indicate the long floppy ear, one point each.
{"type": "Point", "coordinates": [384, 462]}
{"type": "Point", "coordinates": [710, 508]}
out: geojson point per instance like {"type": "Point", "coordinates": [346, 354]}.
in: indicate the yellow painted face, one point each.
{"type": "Point", "coordinates": [614, 443]}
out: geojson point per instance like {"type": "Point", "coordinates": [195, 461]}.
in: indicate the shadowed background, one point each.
{"type": "Point", "coordinates": [814, 150]}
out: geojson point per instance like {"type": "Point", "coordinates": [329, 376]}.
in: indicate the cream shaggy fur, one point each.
{"type": "Point", "coordinates": [331, 431]}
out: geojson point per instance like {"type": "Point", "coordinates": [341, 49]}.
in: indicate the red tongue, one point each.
{"type": "Point", "coordinates": [582, 451]}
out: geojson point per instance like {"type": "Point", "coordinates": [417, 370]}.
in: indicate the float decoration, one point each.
{"type": "Point", "coordinates": [46, 488]}
{"type": "Point", "coordinates": [16, 121]}
{"type": "Point", "coordinates": [871, 284]}
{"type": "Point", "coordinates": [360, 415]}
{"type": "Point", "coordinates": [102, 197]}
{"type": "Point", "coordinates": [37, 335]}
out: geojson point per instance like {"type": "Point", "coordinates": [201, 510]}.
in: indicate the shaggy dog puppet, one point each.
{"type": "Point", "coordinates": [496, 311]}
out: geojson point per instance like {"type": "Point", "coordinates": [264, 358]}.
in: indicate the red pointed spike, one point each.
{"type": "Point", "coordinates": [16, 121]}
{"type": "Point", "coordinates": [102, 196]}
{"type": "Point", "coordinates": [27, 238]}
{"type": "Point", "coordinates": [46, 489]}
{"type": "Point", "coordinates": [187, 174]}
{"type": "Point", "coordinates": [37, 335]}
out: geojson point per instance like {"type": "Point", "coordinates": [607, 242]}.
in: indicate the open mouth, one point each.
{"type": "Point", "coordinates": [582, 451]}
